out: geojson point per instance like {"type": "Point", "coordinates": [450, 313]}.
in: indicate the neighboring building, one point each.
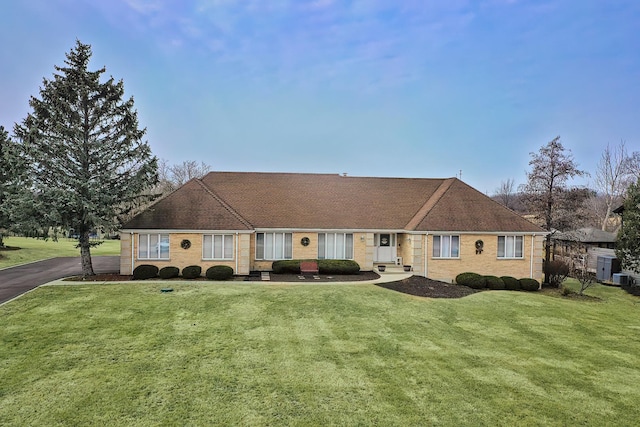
{"type": "Point", "coordinates": [587, 243]}
{"type": "Point", "coordinates": [438, 227]}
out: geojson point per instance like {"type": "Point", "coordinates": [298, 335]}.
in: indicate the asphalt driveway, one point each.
{"type": "Point", "coordinates": [15, 281]}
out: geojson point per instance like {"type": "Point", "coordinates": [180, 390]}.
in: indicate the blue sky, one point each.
{"type": "Point", "coordinates": [367, 87]}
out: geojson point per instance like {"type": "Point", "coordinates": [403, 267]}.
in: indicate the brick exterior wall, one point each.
{"type": "Point", "coordinates": [362, 250]}
{"type": "Point", "coordinates": [411, 247]}
{"type": "Point", "coordinates": [486, 263]}
{"type": "Point", "coordinates": [179, 257]}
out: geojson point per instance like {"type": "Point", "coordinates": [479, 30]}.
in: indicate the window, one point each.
{"type": "Point", "coordinates": [335, 246]}
{"type": "Point", "coordinates": [217, 246]}
{"type": "Point", "coordinates": [274, 246]}
{"type": "Point", "coordinates": [510, 246]}
{"type": "Point", "coordinates": [153, 246]}
{"type": "Point", "coordinates": [446, 246]}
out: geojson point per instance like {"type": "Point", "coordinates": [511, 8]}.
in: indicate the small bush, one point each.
{"type": "Point", "coordinates": [566, 291]}
{"type": "Point", "coordinates": [325, 266]}
{"type": "Point", "coordinates": [511, 283]}
{"type": "Point", "coordinates": [472, 280]}
{"type": "Point", "coordinates": [466, 278]}
{"type": "Point", "coordinates": [528, 284]}
{"type": "Point", "coordinates": [145, 271]}
{"type": "Point", "coordinates": [631, 289]}
{"type": "Point", "coordinates": [169, 272]}
{"type": "Point", "coordinates": [191, 272]}
{"type": "Point", "coordinates": [478, 282]}
{"type": "Point", "coordinates": [219, 272]}
{"type": "Point", "coordinates": [338, 266]}
{"type": "Point", "coordinates": [286, 266]}
{"type": "Point", "coordinates": [557, 270]}
{"type": "Point", "coordinates": [494, 283]}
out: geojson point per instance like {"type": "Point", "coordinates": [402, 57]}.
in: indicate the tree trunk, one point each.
{"type": "Point", "coordinates": [85, 254]}
{"type": "Point", "coordinates": [606, 217]}
{"type": "Point", "coordinates": [547, 257]}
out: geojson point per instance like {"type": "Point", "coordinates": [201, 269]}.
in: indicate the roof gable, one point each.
{"type": "Point", "coordinates": [463, 208]}
{"type": "Point", "coordinates": [191, 207]}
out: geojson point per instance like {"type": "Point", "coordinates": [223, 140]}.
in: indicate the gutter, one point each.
{"type": "Point", "coordinates": [132, 253]}
{"type": "Point", "coordinates": [237, 244]}
{"type": "Point", "coordinates": [533, 243]}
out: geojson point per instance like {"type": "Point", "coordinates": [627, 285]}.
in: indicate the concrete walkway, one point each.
{"type": "Point", "coordinates": [384, 278]}
{"type": "Point", "coordinates": [15, 281]}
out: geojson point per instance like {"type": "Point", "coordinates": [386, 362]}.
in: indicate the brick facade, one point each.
{"type": "Point", "coordinates": [412, 248]}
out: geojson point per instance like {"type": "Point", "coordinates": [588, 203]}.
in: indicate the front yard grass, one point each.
{"type": "Point", "coordinates": [38, 249]}
{"type": "Point", "coordinates": [238, 354]}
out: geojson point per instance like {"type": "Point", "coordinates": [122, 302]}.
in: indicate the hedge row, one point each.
{"type": "Point", "coordinates": [217, 272]}
{"type": "Point", "coordinates": [325, 266]}
{"type": "Point", "coordinates": [477, 281]}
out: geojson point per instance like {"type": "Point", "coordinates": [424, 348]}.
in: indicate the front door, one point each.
{"type": "Point", "coordinates": [385, 247]}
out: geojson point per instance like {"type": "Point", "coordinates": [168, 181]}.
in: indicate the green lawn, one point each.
{"type": "Point", "coordinates": [239, 354]}
{"type": "Point", "coordinates": [36, 249]}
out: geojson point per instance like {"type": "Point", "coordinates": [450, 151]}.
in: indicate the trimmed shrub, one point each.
{"type": "Point", "coordinates": [219, 272]}
{"type": "Point", "coordinates": [495, 283]}
{"type": "Point", "coordinates": [472, 280]}
{"type": "Point", "coordinates": [557, 270]}
{"type": "Point", "coordinates": [631, 289]}
{"type": "Point", "coordinates": [191, 272]}
{"type": "Point", "coordinates": [511, 283]}
{"type": "Point", "coordinates": [325, 266]}
{"type": "Point", "coordinates": [169, 272]}
{"type": "Point", "coordinates": [338, 266]}
{"type": "Point", "coordinates": [286, 266]}
{"type": "Point", "coordinates": [528, 284]}
{"type": "Point", "coordinates": [464, 278]}
{"type": "Point", "coordinates": [145, 271]}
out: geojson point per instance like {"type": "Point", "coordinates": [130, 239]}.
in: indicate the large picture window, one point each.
{"type": "Point", "coordinates": [510, 246]}
{"type": "Point", "coordinates": [446, 247]}
{"type": "Point", "coordinates": [153, 246]}
{"type": "Point", "coordinates": [217, 246]}
{"type": "Point", "coordinates": [335, 246]}
{"type": "Point", "coordinates": [274, 246]}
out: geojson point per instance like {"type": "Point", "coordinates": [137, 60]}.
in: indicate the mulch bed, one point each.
{"type": "Point", "coordinates": [414, 285]}
{"type": "Point", "coordinates": [424, 287]}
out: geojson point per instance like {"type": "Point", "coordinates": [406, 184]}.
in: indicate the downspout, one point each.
{"type": "Point", "coordinates": [426, 253]}
{"type": "Point", "coordinates": [533, 243]}
{"type": "Point", "coordinates": [132, 253]}
{"type": "Point", "coordinates": [237, 244]}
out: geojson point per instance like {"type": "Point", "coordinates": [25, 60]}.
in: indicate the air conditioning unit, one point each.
{"type": "Point", "coordinates": [620, 279]}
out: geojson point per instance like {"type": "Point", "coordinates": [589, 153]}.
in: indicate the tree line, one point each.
{"type": "Point", "coordinates": [588, 206]}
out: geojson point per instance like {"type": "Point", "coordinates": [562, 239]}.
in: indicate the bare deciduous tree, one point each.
{"type": "Point", "coordinates": [546, 192]}
{"type": "Point", "coordinates": [614, 173]}
{"type": "Point", "coordinates": [581, 273]}
{"type": "Point", "coordinates": [170, 177]}
{"type": "Point", "coordinates": [188, 170]}
{"type": "Point", "coordinates": [505, 194]}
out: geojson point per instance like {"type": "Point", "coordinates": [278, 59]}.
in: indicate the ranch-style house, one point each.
{"type": "Point", "coordinates": [245, 220]}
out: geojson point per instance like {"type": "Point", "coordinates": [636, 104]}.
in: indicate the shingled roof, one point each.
{"type": "Point", "coordinates": [249, 200]}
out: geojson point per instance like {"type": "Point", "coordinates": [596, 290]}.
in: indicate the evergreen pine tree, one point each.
{"type": "Point", "coordinates": [628, 245]}
{"type": "Point", "coordinates": [87, 162]}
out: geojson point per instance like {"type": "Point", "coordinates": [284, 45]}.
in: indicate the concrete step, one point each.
{"type": "Point", "coordinates": [265, 276]}
{"type": "Point", "coordinates": [391, 269]}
